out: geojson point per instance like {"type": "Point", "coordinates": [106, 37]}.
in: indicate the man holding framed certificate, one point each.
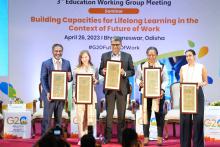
{"type": "Point", "coordinates": [120, 65]}
{"type": "Point", "coordinates": [193, 76]}
{"type": "Point", "coordinates": [55, 72]}
{"type": "Point", "coordinates": [152, 80]}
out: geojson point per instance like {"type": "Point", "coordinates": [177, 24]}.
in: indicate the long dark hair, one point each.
{"type": "Point", "coordinates": [80, 56]}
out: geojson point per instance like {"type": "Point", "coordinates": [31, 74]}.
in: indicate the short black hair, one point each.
{"type": "Point", "coordinates": [191, 50]}
{"type": "Point", "coordinates": [116, 38]}
{"type": "Point", "coordinates": [50, 138]}
{"type": "Point", "coordinates": [88, 140]}
{"type": "Point", "coordinates": [57, 45]}
{"type": "Point", "coordinates": [152, 48]}
{"type": "Point", "coordinates": [129, 137]}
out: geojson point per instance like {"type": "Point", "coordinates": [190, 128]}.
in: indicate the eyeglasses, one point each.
{"type": "Point", "coordinates": [116, 44]}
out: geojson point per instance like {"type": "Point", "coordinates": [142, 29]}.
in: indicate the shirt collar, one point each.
{"type": "Point", "coordinates": [55, 60]}
{"type": "Point", "coordinates": [117, 55]}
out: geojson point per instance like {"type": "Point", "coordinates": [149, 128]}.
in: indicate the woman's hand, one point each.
{"type": "Point", "coordinates": [68, 76]}
{"type": "Point", "coordinates": [95, 81]}
{"type": "Point", "coordinates": [161, 94]}
{"type": "Point", "coordinates": [74, 100]}
{"type": "Point", "coordinates": [201, 84]}
{"type": "Point", "coordinates": [141, 85]}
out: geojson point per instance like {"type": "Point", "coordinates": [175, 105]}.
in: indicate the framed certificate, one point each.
{"type": "Point", "coordinates": [152, 82]}
{"type": "Point", "coordinates": [188, 98]}
{"type": "Point", "coordinates": [84, 88]}
{"type": "Point", "coordinates": [58, 87]}
{"type": "Point", "coordinates": [113, 75]}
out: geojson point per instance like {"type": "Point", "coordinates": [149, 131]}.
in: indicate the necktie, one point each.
{"type": "Point", "coordinates": [58, 65]}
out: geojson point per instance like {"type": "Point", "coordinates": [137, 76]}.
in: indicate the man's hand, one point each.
{"type": "Point", "coordinates": [122, 72]}
{"type": "Point", "coordinates": [104, 71]}
{"type": "Point", "coordinates": [48, 96]}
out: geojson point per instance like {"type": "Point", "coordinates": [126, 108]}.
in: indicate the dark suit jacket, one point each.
{"type": "Point", "coordinates": [127, 65]}
{"type": "Point", "coordinates": [46, 68]}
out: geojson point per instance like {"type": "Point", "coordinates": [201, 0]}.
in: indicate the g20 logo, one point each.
{"type": "Point", "coordinates": [214, 123]}
{"type": "Point", "coordinates": [17, 120]}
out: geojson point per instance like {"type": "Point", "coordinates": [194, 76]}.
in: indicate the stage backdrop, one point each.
{"type": "Point", "coordinates": [171, 26]}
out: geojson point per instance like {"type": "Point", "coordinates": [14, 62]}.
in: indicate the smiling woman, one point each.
{"type": "Point", "coordinates": [4, 38]}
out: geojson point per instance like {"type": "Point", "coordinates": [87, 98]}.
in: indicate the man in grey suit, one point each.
{"type": "Point", "coordinates": [114, 96]}
{"type": "Point", "coordinates": [50, 107]}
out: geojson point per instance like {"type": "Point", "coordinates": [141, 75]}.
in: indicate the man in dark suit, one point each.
{"type": "Point", "coordinates": [50, 107]}
{"type": "Point", "coordinates": [112, 96]}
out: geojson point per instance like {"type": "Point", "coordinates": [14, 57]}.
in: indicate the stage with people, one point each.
{"type": "Point", "coordinates": [109, 73]}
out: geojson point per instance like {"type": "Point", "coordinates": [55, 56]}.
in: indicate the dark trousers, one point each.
{"type": "Point", "coordinates": [159, 118]}
{"type": "Point", "coordinates": [120, 99]}
{"type": "Point", "coordinates": [45, 121]}
{"type": "Point", "coordinates": [51, 107]}
{"type": "Point", "coordinates": [186, 125]}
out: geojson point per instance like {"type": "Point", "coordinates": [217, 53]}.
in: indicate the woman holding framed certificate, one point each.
{"type": "Point", "coordinates": [192, 72]}
{"type": "Point", "coordinates": [152, 80]}
{"type": "Point", "coordinates": [84, 92]}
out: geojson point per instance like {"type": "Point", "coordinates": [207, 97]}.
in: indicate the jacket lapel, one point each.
{"type": "Point", "coordinates": [62, 66]}
{"type": "Point", "coordinates": [109, 56]}
{"type": "Point", "coordinates": [51, 64]}
{"type": "Point", "coordinates": [123, 60]}
{"type": "Point", "coordinates": [122, 56]}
